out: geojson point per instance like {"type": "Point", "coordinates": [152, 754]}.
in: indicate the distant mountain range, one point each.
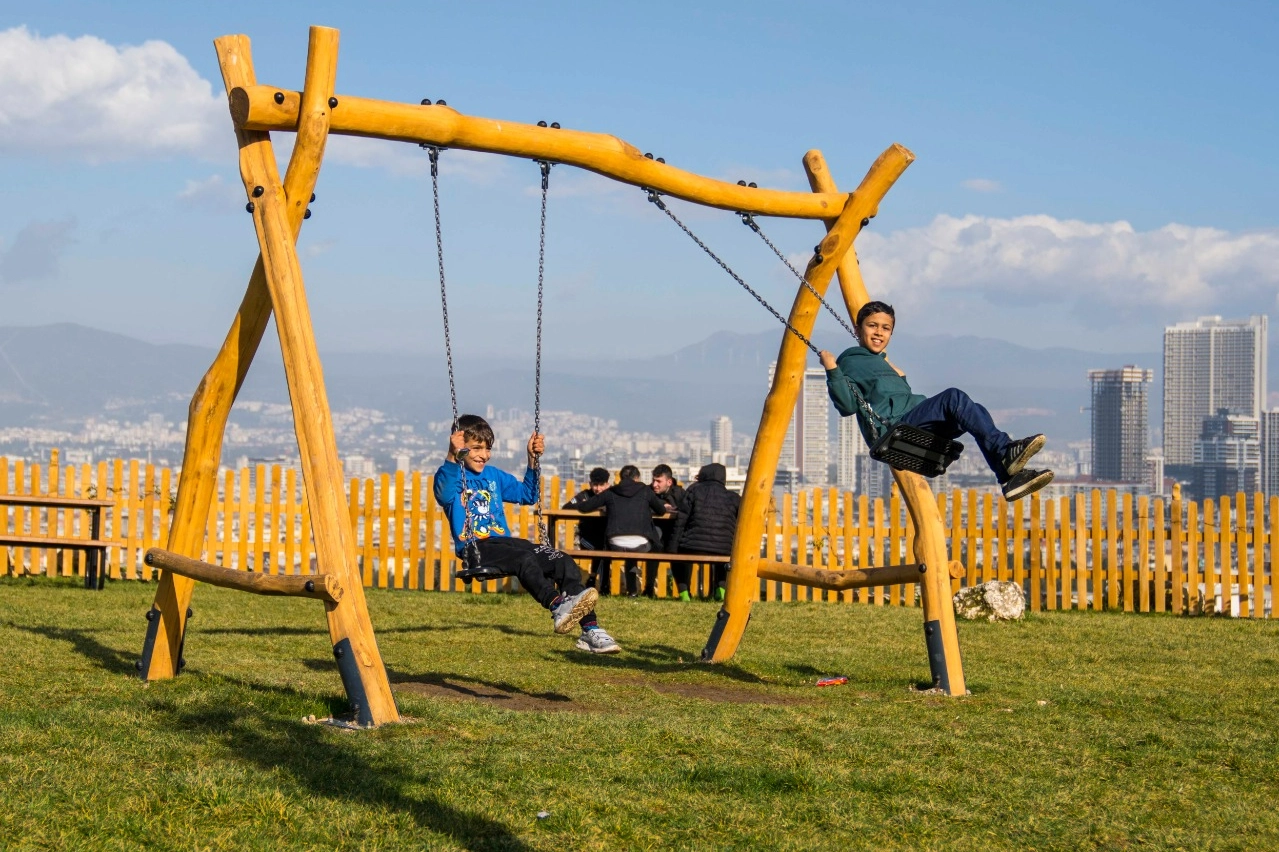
{"type": "Point", "coordinates": [49, 374]}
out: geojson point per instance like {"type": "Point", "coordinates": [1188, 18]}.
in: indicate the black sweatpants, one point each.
{"type": "Point", "coordinates": [541, 570]}
{"type": "Point", "coordinates": [683, 571]}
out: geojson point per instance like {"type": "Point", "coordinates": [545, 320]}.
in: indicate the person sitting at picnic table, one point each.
{"type": "Point", "coordinates": [630, 505]}
{"type": "Point", "coordinates": [706, 524]}
{"type": "Point", "coordinates": [592, 533]}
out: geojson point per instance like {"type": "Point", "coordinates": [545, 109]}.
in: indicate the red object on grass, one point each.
{"type": "Point", "coordinates": [832, 681]}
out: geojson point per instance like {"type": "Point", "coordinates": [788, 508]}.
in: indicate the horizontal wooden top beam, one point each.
{"type": "Point", "coordinates": [647, 556]}
{"type": "Point", "coordinates": [40, 501]}
{"type": "Point", "coordinates": [38, 542]}
{"type": "Point", "coordinates": [266, 108]}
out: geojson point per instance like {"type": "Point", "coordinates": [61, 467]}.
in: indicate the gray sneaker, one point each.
{"type": "Point", "coordinates": [597, 641]}
{"type": "Point", "coordinates": [571, 610]}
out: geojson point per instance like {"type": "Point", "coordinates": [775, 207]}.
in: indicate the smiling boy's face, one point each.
{"type": "Point", "coordinates": [477, 456]}
{"type": "Point", "coordinates": [875, 332]}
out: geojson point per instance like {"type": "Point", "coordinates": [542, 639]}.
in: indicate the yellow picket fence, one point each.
{"type": "Point", "coordinates": [1094, 550]}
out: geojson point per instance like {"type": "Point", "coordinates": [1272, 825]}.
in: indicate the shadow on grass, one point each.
{"type": "Point", "coordinates": [454, 683]}
{"type": "Point", "coordinates": [657, 659]}
{"type": "Point", "coordinates": [380, 631]}
{"type": "Point", "coordinates": [83, 643]}
{"type": "Point", "coordinates": [330, 765]}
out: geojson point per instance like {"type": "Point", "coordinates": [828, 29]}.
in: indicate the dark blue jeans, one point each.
{"type": "Point", "coordinates": [950, 414]}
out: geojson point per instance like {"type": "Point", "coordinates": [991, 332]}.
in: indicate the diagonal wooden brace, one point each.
{"type": "Point", "coordinates": [743, 582]}
{"type": "Point", "coordinates": [941, 637]}
{"type": "Point", "coordinates": [211, 404]}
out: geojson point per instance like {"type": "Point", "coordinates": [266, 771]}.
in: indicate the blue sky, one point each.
{"type": "Point", "coordinates": [1086, 172]}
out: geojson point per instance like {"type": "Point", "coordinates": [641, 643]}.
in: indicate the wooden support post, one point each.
{"type": "Point", "coordinates": [211, 404]}
{"type": "Point", "coordinates": [324, 587]}
{"type": "Point", "coordinates": [355, 646]}
{"type": "Point", "coordinates": [940, 634]}
{"type": "Point", "coordinates": [743, 580]}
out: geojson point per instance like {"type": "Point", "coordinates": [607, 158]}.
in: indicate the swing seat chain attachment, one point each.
{"type": "Point", "coordinates": [905, 447]}
{"type": "Point", "coordinates": [900, 446]}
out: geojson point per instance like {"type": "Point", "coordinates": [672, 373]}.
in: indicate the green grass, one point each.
{"type": "Point", "coordinates": [1082, 730]}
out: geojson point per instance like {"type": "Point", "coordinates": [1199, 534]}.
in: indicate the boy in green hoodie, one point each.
{"type": "Point", "coordinates": [949, 414]}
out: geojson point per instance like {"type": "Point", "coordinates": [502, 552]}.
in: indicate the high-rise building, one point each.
{"type": "Point", "coordinates": [1209, 364]}
{"type": "Point", "coordinates": [807, 444]}
{"type": "Point", "coordinates": [848, 446]}
{"type": "Point", "coordinates": [1270, 452]}
{"type": "Point", "coordinates": [1227, 456]}
{"type": "Point", "coordinates": [1120, 423]}
{"type": "Point", "coordinates": [721, 435]}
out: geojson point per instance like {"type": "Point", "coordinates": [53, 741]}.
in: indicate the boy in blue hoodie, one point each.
{"type": "Point", "coordinates": [866, 371]}
{"type": "Point", "coordinates": [472, 497]}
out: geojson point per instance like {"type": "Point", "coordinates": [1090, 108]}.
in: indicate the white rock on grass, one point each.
{"type": "Point", "coordinates": [993, 601]}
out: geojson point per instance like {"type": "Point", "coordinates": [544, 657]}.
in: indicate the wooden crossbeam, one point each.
{"type": "Point", "coordinates": [849, 578]}
{"type": "Point", "coordinates": [324, 587]}
{"type": "Point", "coordinates": [266, 108]}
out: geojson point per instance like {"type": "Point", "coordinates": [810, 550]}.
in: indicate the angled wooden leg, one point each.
{"type": "Point", "coordinates": [355, 646]}
{"type": "Point", "coordinates": [743, 579]}
{"type": "Point", "coordinates": [211, 404]}
{"type": "Point", "coordinates": [941, 637]}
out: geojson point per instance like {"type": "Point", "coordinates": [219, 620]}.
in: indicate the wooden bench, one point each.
{"type": "Point", "coordinates": [95, 548]}
{"type": "Point", "coordinates": [554, 516]}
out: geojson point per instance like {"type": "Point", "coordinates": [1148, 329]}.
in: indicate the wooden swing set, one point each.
{"type": "Point", "coordinates": [276, 288]}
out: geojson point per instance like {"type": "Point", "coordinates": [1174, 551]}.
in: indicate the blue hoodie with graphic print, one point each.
{"type": "Point", "coordinates": [484, 494]}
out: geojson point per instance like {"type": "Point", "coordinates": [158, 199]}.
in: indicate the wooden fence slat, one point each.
{"type": "Point", "coordinates": [1256, 595]}
{"type": "Point", "coordinates": [1239, 565]}
{"type": "Point", "coordinates": [1092, 550]}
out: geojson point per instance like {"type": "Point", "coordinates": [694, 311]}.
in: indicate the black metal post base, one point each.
{"type": "Point", "coordinates": [349, 669]}
{"type": "Point", "coordinates": [936, 656]}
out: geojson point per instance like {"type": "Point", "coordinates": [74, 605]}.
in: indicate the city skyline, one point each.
{"type": "Point", "coordinates": [1103, 229]}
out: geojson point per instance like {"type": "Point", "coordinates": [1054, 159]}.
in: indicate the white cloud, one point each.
{"type": "Point", "coordinates": [982, 185]}
{"type": "Point", "coordinates": [1097, 269]}
{"type": "Point", "coordinates": [36, 251]}
{"type": "Point", "coordinates": [213, 193]}
{"type": "Point", "coordinates": [86, 99]}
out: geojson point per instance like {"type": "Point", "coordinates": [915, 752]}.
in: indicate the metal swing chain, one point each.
{"type": "Point", "coordinates": [433, 152]}
{"type": "Point", "coordinates": [656, 198]}
{"type": "Point", "coordinates": [749, 221]}
{"type": "Point", "coordinates": [545, 167]}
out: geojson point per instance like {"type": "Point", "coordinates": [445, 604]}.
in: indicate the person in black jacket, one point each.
{"type": "Point", "coordinates": [706, 524]}
{"type": "Point", "coordinates": [591, 532]}
{"type": "Point", "coordinates": [630, 505]}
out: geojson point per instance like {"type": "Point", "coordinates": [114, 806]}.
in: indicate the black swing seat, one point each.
{"type": "Point", "coordinates": [906, 447]}
{"type": "Point", "coordinates": [481, 573]}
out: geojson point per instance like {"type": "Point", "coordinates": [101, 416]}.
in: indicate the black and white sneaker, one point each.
{"type": "Point", "coordinates": [1020, 452]}
{"type": "Point", "coordinates": [1026, 482]}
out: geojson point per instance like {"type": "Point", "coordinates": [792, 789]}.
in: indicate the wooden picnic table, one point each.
{"type": "Point", "coordinates": [555, 516]}
{"type": "Point", "coordinates": [95, 548]}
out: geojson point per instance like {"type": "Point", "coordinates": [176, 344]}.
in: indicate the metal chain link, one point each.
{"type": "Point", "coordinates": [654, 197]}
{"type": "Point", "coordinates": [749, 221]}
{"type": "Point", "coordinates": [545, 166]}
{"type": "Point", "coordinates": [471, 551]}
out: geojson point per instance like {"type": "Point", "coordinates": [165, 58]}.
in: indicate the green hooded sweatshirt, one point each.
{"type": "Point", "coordinates": [887, 393]}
